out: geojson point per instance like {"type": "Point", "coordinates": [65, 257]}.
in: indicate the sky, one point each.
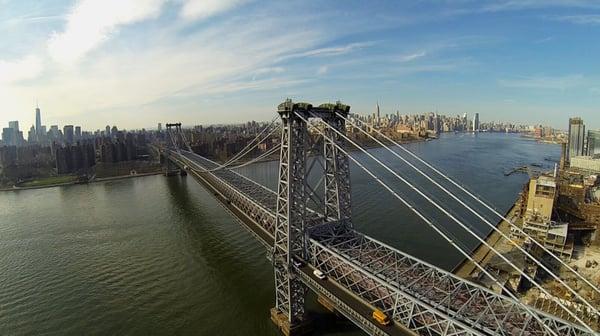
{"type": "Point", "coordinates": [134, 63]}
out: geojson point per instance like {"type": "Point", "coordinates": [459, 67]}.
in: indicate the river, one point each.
{"type": "Point", "coordinates": [159, 256]}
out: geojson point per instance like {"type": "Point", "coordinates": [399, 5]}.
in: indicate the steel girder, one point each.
{"type": "Point", "coordinates": [337, 172]}
{"type": "Point", "coordinates": [422, 297]}
{"type": "Point", "coordinates": [240, 191]}
{"type": "Point", "coordinates": [290, 218]}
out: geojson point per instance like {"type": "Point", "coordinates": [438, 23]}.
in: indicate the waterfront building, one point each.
{"type": "Point", "coordinates": [538, 222]}
{"type": "Point", "coordinates": [586, 163]}
{"type": "Point", "coordinates": [576, 139]}
{"type": "Point", "coordinates": [542, 192]}
{"type": "Point", "coordinates": [476, 123]}
{"type": "Point", "coordinates": [593, 142]}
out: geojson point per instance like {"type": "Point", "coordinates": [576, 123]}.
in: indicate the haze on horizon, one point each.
{"type": "Point", "coordinates": [134, 63]}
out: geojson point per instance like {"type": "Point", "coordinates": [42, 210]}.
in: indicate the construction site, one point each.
{"type": "Point", "coordinates": [560, 210]}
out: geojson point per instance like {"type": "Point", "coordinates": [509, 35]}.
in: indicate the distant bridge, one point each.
{"type": "Point", "coordinates": [363, 274]}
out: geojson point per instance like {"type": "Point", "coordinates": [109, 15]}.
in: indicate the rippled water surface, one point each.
{"type": "Point", "coordinates": [158, 256]}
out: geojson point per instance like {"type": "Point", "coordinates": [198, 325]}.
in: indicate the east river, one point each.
{"type": "Point", "coordinates": [159, 256]}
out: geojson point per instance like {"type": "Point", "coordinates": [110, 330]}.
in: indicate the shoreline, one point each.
{"type": "Point", "coordinates": [96, 180]}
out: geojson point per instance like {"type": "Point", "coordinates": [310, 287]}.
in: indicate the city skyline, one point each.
{"type": "Point", "coordinates": [136, 63]}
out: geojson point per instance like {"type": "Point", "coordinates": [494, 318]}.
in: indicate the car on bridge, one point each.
{"type": "Point", "coordinates": [298, 263]}
{"type": "Point", "coordinates": [381, 317]}
{"type": "Point", "coordinates": [320, 274]}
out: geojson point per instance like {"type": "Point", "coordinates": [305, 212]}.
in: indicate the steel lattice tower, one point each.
{"type": "Point", "coordinates": [292, 223]}
{"type": "Point", "coordinates": [337, 169]}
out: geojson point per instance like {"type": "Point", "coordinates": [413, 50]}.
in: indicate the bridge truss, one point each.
{"type": "Point", "coordinates": [416, 295]}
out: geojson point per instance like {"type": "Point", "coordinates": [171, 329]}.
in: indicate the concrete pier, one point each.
{"type": "Point", "coordinates": [282, 323]}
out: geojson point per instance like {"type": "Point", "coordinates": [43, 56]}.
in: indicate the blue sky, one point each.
{"type": "Point", "coordinates": [135, 63]}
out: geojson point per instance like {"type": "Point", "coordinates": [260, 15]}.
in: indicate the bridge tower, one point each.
{"type": "Point", "coordinates": [292, 223]}
{"type": "Point", "coordinates": [175, 139]}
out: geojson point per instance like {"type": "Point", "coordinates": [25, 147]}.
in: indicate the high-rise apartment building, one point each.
{"type": "Point", "coordinates": [593, 142]}
{"type": "Point", "coordinates": [575, 146]}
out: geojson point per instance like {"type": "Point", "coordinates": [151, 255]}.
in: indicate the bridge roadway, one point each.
{"type": "Point", "coordinates": [364, 273]}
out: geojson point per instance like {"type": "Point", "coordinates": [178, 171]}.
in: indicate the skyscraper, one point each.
{"type": "Point", "coordinates": [476, 122]}
{"type": "Point", "coordinates": [68, 133]}
{"type": "Point", "coordinates": [14, 125]}
{"type": "Point", "coordinates": [378, 119]}
{"type": "Point", "coordinates": [38, 120]}
{"type": "Point", "coordinates": [593, 142]}
{"type": "Point", "coordinates": [8, 136]}
{"type": "Point", "coordinates": [576, 137]}
{"type": "Point", "coordinates": [31, 136]}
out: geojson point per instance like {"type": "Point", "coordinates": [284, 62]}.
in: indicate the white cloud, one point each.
{"type": "Point", "coordinates": [544, 82]}
{"type": "Point", "coordinates": [412, 57]}
{"type": "Point", "coordinates": [334, 51]}
{"type": "Point", "coordinates": [262, 71]}
{"type": "Point", "coordinates": [22, 69]}
{"type": "Point", "coordinates": [507, 5]}
{"type": "Point", "coordinates": [202, 9]}
{"type": "Point", "coordinates": [322, 70]}
{"type": "Point", "coordinates": [544, 40]}
{"type": "Point", "coordinates": [92, 22]}
{"type": "Point", "coordinates": [176, 68]}
{"type": "Point", "coordinates": [583, 19]}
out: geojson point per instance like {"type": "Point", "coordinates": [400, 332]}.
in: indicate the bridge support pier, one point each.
{"type": "Point", "coordinates": [169, 168]}
{"type": "Point", "coordinates": [298, 328]}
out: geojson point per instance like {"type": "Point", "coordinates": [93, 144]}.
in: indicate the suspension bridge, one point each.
{"type": "Point", "coordinates": [306, 227]}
